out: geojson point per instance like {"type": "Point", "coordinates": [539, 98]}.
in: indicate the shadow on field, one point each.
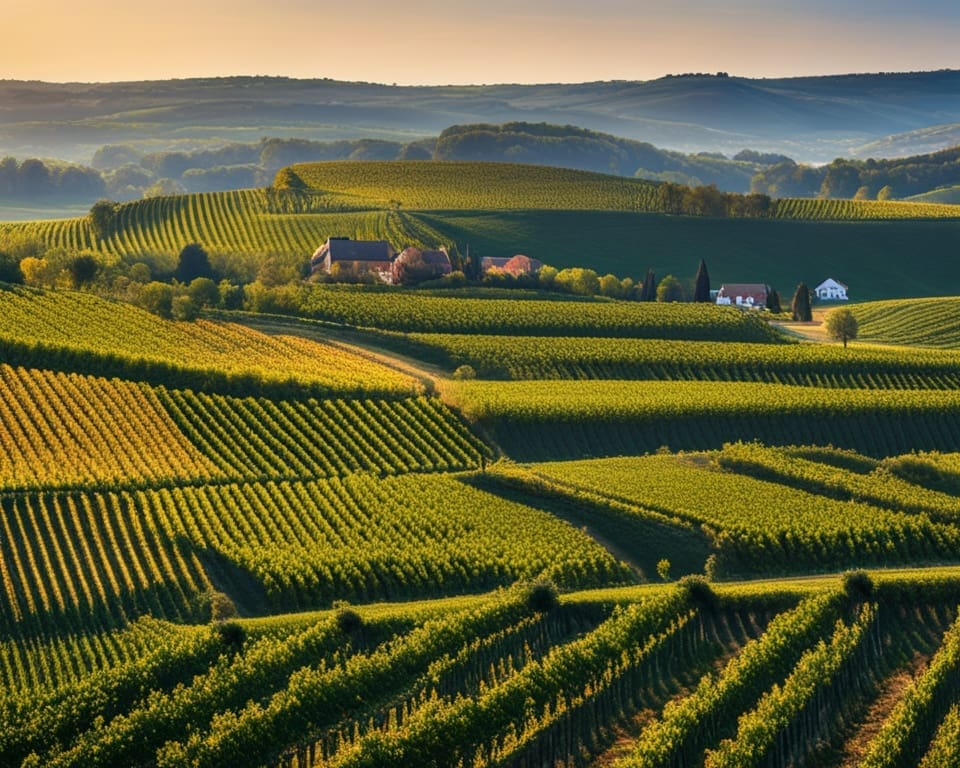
{"type": "Point", "coordinates": [638, 541]}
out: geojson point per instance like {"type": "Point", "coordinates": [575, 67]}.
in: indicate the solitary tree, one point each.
{"type": "Point", "coordinates": [193, 263]}
{"type": "Point", "coordinates": [800, 306]}
{"type": "Point", "coordinates": [842, 325]}
{"type": "Point", "coordinates": [102, 217]}
{"type": "Point", "coordinates": [701, 293]}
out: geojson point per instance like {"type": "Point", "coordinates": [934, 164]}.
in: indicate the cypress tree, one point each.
{"type": "Point", "coordinates": [800, 306]}
{"type": "Point", "coordinates": [773, 301]}
{"type": "Point", "coordinates": [701, 292]}
{"type": "Point", "coordinates": [649, 290]}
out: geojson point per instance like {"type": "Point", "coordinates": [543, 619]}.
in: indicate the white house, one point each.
{"type": "Point", "coordinates": [831, 290]}
{"type": "Point", "coordinates": [743, 295]}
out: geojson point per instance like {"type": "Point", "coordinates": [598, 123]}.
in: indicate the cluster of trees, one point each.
{"type": "Point", "coordinates": [34, 179]}
{"type": "Point", "coordinates": [127, 172]}
{"type": "Point", "coordinates": [861, 179]}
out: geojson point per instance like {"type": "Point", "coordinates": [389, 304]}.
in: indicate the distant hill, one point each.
{"type": "Point", "coordinates": [810, 118]}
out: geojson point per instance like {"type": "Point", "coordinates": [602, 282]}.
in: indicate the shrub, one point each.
{"type": "Point", "coordinates": [465, 372]}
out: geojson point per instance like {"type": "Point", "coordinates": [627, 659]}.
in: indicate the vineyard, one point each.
{"type": "Point", "coordinates": [551, 419]}
{"type": "Point", "coordinates": [769, 524]}
{"type": "Point", "coordinates": [400, 311]}
{"type": "Point", "coordinates": [721, 673]}
{"type": "Point", "coordinates": [282, 541]}
{"type": "Point", "coordinates": [917, 322]}
{"type": "Point", "coordinates": [83, 333]}
{"type": "Point", "coordinates": [531, 357]}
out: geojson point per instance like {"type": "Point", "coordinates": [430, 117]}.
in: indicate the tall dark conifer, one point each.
{"type": "Point", "coordinates": [800, 306]}
{"type": "Point", "coordinates": [649, 290]}
{"type": "Point", "coordinates": [701, 291]}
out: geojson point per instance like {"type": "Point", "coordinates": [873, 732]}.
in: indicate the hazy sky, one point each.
{"type": "Point", "coordinates": [472, 41]}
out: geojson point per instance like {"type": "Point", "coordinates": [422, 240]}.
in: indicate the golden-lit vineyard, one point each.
{"type": "Point", "coordinates": [94, 559]}
{"type": "Point", "coordinates": [860, 210]}
{"type": "Point", "coordinates": [78, 331]}
{"type": "Point", "coordinates": [255, 437]}
{"type": "Point", "coordinates": [61, 429]}
{"type": "Point", "coordinates": [429, 185]}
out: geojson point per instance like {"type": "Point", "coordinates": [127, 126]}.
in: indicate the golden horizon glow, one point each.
{"type": "Point", "coordinates": [435, 43]}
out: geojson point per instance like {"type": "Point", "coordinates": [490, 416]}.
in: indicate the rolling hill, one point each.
{"type": "Point", "coordinates": [562, 217]}
{"type": "Point", "coordinates": [810, 118]}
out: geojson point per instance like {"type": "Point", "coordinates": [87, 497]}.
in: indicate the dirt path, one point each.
{"type": "Point", "coordinates": [812, 331]}
{"type": "Point", "coordinates": [355, 342]}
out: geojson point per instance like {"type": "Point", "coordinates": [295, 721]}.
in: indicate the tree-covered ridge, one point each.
{"type": "Point", "coordinates": [881, 179]}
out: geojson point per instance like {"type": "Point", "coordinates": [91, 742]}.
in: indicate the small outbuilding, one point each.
{"type": "Point", "coordinates": [830, 290]}
{"type": "Point", "coordinates": [745, 295]}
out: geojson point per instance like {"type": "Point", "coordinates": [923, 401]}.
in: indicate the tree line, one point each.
{"type": "Point", "coordinates": [861, 179]}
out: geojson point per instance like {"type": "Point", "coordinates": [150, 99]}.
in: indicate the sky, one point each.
{"type": "Point", "coordinates": [472, 41]}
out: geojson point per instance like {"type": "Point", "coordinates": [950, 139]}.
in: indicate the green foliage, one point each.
{"type": "Point", "coordinates": [348, 620]}
{"type": "Point", "coordinates": [841, 324]}
{"type": "Point", "coordinates": [670, 290]}
{"type": "Point", "coordinates": [192, 263]}
{"type": "Point", "coordinates": [543, 420]}
{"type": "Point", "coordinates": [541, 596]}
{"type": "Point", "coordinates": [761, 525]}
{"type": "Point", "coordinates": [663, 569]}
{"type": "Point", "coordinates": [531, 315]}
{"type": "Point", "coordinates": [701, 291]}
{"type": "Point", "coordinates": [103, 216]}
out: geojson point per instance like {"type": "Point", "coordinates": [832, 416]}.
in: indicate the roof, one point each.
{"type": "Point", "coordinates": [343, 249]}
{"type": "Point", "coordinates": [831, 281]}
{"type": "Point", "coordinates": [743, 289]}
{"type": "Point", "coordinates": [438, 258]}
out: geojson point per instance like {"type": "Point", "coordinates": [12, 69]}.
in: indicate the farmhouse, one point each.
{"type": "Point", "coordinates": [746, 295]}
{"type": "Point", "coordinates": [831, 290]}
{"type": "Point", "coordinates": [343, 256]}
